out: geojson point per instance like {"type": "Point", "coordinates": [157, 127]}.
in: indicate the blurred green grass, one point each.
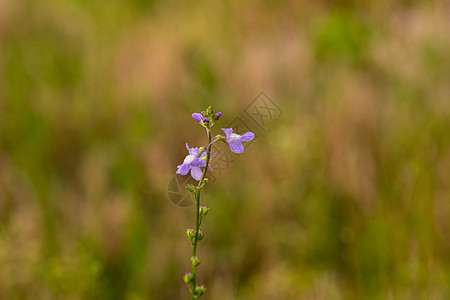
{"type": "Point", "coordinates": [346, 196]}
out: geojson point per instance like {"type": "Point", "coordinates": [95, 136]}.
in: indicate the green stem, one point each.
{"type": "Point", "coordinates": [198, 217]}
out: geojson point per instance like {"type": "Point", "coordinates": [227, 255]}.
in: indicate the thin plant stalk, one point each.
{"type": "Point", "coordinates": [198, 217]}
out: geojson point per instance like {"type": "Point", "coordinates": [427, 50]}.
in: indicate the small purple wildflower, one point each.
{"type": "Point", "coordinates": [192, 162]}
{"type": "Point", "coordinates": [197, 117]}
{"type": "Point", "coordinates": [218, 115]}
{"type": "Point", "coordinates": [235, 140]}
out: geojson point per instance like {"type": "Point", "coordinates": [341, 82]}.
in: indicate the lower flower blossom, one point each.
{"type": "Point", "coordinates": [193, 163]}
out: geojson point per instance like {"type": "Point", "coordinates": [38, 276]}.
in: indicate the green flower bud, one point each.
{"type": "Point", "coordinates": [200, 234]}
{"type": "Point", "coordinates": [195, 261]}
{"type": "Point", "coordinates": [190, 188]}
{"type": "Point", "coordinates": [190, 233]}
{"type": "Point", "coordinates": [205, 181]}
{"type": "Point", "coordinates": [187, 278]}
{"type": "Point", "coordinates": [203, 210]}
{"type": "Point", "coordinates": [220, 138]}
{"type": "Point", "coordinates": [200, 290]}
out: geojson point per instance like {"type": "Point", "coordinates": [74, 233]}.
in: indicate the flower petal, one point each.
{"type": "Point", "coordinates": [227, 131]}
{"type": "Point", "coordinates": [194, 151]}
{"type": "Point", "coordinates": [183, 169]}
{"type": "Point", "coordinates": [198, 163]}
{"type": "Point", "coordinates": [197, 117]}
{"type": "Point", "coordinates": [247, 137]}
{"type": "Point", "coordinates": [236, 146]}
{"type": "Point", "coordinates": [234, 137]}
{"type": "Point", "coordinates": [196, 173]}
{"type": "Point", "coordinates": [189, 159]}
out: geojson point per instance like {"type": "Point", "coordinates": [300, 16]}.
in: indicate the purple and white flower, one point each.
{"type": "Point", "coordinates": [193, 163]}
{"type": "Point", "coordinates": [235, 140]}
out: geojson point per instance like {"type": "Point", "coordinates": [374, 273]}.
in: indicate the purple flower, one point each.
{"type": "Point", "coordinates": [192, 162]}
{"type": "Point", "coordinates": [235, 140]}
{"type": "Point", "coordinates": [197, 117]}
{"type": "Point", "coordinates": [218, 115]}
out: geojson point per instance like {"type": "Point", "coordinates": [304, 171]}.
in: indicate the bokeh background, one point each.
{"type": "Point", "coordinates": [345, 196]}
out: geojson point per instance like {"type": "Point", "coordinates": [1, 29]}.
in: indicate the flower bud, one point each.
{"type": "Point", "coordinates": [205, 120]}
{"type": "Point", "coordinates": [203, 112]}
{"type": "Point", "coordinates": [187, 278]}
{"type": "Point", "coordinates": [200, 234]}
{"type": "Point", "coordinates": [205, 181]}
{"type": "Point", "coordinates": [195, 261]}
{"type": "Point", "coordinates": [220, 138]}
{"type": "Point", "coordinates": [203, 210]}
{"type": "Point", "coordinates": [190, 187]}
{"type": "Point", "coordinates": [218, 115]}
{"type": "Point", "coordinates": [200, 290]}
{"type": "Point", "coordinates": [201, 150]}
{"type": "Point", "coordinates": [190, 233]}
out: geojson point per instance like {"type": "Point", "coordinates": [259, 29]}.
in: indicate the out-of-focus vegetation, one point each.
{"type": "Point", "coordinates": [346, 196]}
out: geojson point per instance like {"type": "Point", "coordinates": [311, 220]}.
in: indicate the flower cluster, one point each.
{"type": "Point", "coordinates": [199, 157]}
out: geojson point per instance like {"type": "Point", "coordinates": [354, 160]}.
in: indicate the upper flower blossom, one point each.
{"type": "Point", "coordinates": [197, 117]}
{"type": "Point", "coordinates": [192, 162]}
{"type": "Point", "coordinates": [235, 140]}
